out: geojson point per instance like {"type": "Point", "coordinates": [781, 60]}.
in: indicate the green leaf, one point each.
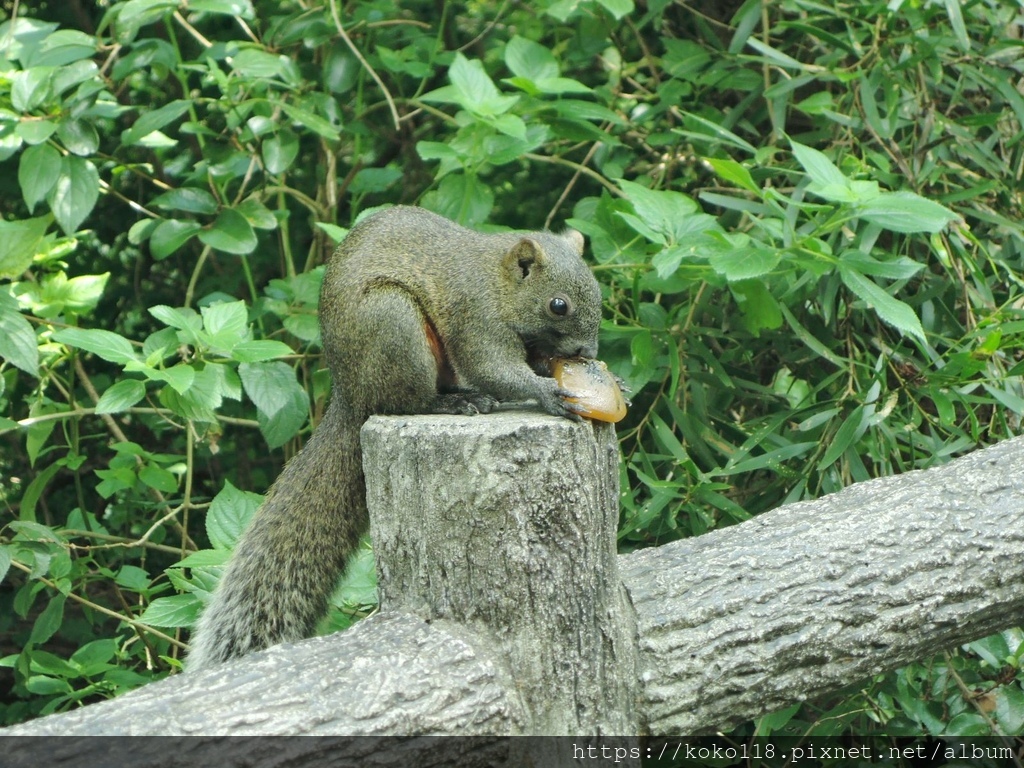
{"type": "Point", "coordinates": [227, 319]}
{"type": "Point", "coordinates": [35, 131]}
{"type": "Point", "coordinates": [662, 211]}
{"type": "Point", "coordinates": [181, 377]}
{"type": "Point", "coordinates": [850, 430]}
{"type": "Point", "coordinates": [268, 385]}
{"type": "Point", "coordinates": [74, 195]}
{"type": "Point", "coordinates": [280, 151]}
{"type": "Point", "coordinates": [174, 611]}
{"type": "Point", "coordinates": [822, 171]}
{"type": "Point", "coordinates": [30, 88]}
{"type": "Point", "coordinates": [79, 136]}
{"type": "Point", "coordinates": [34, 491]}
{"type": "Point", "coordinates": [17, 338]}
{"type": "Point", "coordinates": [734, 173]}
{"type": "Point", "coordinates": [257, 351]}
{"type": "Point", "coordinates": [311, 120]}
{"type": "Point", "coordinates": [19, 241]}
{"type": "Point", "coordinates": [1009, 704]}
{"type": "Point", "coordinates": [5, 561]}
{"type": "Point", "coordinates": [121, 396]}
{"type": "Point", "coordinates": [49, 621]}
{"type": "Point", "coordinates": [190, 199]}
{"type": "Point", "coordinates": [158, 118]}
{"type": "Point", "coordinates": [108, 345]}
{"type": "Point", "coordinates": [38, 170]}
{"type": "Point", "coordinates": [158, 478]}
{"type": "Point", "coordinates": [61, 48]}
{"type": "Point", "coordinates": [231, 233]}
{"type": "Point", "coordinates": [760, 310]}
{"type": "Point", "coordinates": [283, 425]}
{"type": "Point", "coordinates": [258, 64]}
{"type": "Point", "coordinates": [257, 214]}
{"type": "Point", "coordinates": [744, 262]}
{"type": "Point", "coordinates": [184, 318]}
{"type": "Point", "coordinates": [530, 60]}
{"type": "Point", "coordinates": [906, 212]}
{"type": "Point", "coordinates": [891, 310]}
{"type": "Point", "coordinates": [169, 235]}
{"type": "Point", "coordinates": [617, 8]}
{"type": "Point", "coordinates": [472, 89]}
{"type": "Point", "coordinates": [229, 514]}
{"type": "Point", "coordinates": [240, 8]}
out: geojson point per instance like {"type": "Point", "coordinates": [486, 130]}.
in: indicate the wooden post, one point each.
{"type": "Point", "coordinates": [506, 525]}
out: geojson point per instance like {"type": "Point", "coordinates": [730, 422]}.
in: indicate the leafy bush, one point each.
{"type": "Point", "coordinates": [804, 217]}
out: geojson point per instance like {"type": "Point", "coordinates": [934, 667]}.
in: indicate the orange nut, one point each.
{"type": "Point", "coordinates": [594, 388]}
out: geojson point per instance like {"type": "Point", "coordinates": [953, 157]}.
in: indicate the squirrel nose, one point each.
{"type": "Point", "coordinates": [588, 352]}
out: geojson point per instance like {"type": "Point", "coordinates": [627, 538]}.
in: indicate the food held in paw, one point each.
{"type": "Point", "coordinates": [595, 390]}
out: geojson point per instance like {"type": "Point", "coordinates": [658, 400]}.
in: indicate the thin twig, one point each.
{"type": "Point", "coordinates": [366, 65]}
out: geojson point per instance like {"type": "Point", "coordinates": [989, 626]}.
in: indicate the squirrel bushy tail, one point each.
{"type": "Point", "coordinates": [278, 593]}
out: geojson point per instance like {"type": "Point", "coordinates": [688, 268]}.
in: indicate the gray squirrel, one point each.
{"type": "Point", "coordinates": [417, 315]}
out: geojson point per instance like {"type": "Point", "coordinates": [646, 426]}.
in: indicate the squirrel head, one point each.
{"type": "Point", "coordinates": [553, 302]}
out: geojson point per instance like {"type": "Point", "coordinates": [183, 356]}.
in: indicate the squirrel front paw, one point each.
{"type": "Point", "coordinates": [552, 399]}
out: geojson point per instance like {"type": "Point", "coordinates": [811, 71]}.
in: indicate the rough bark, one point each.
{"type": "Point", "coordinates": [820, 594]}
{"type": "Point", "coordinates": [514, 536]}
{"type": "Point", "coordinates": [388, 675]}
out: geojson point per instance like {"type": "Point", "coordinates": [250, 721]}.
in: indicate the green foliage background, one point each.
{"type": "Point", "coordinates": [804, 215]}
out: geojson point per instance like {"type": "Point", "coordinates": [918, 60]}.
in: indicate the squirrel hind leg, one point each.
{"type": "Point", "coordinates": [398, 367]}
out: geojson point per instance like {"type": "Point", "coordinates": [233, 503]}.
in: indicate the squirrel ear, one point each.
{"type": "Point", "coordinates": [524, 257]}
{"type": "Point", "coordinates": [575, 240]}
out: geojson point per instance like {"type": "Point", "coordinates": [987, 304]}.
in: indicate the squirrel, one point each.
{"type": "Point", "coordinates": [417, 315]}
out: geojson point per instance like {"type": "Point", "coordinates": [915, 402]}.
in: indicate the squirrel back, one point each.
{"type": "Point", "coordinates": [417, 315]}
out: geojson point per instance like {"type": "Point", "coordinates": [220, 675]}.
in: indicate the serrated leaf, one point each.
{"type": "Point", "coordinates": [19, 241]}
{"type": "Point", "coordinates": [226, 318]}
{"type": "Point", "coordinates": [891, 310]}
{"type": "Point", "coordinates": [229, 514]}
{"type": "Point", "coordinates": [268, 385]}
{"type": "Point", "coordinates": [181, 377]}
{"type": "Point", "coordinates": [659, 210]}
{"type": "Point", "coordinates": [822, 171]}
{"type": "Point", "coordinates": [257, 351]}
{"type": "Point", "coordinates": [38, 170]}
{"type": "Point", "coordinates": [617, 8]}
{"type": "Point", "coordinates": [108, 345]}
{"type": "Point", "coordinates": [530, 60]}
{"type": "Point", "coordinates": [334, 231]}
{"type": "Point", "coordinates": [173, 611]}
{"type": "Point", "coordinates": [283, 425]}
{"type": "Point", "coordinates": [183, 318]}
{"type": "Point", "coordinates": [906, 212]}
{"type": "Point", "coordinates": [230, 233]}
{"type": "Point", "coordinates": [744, 262]}
{"type": "Point", "coordinates": [121, 396]}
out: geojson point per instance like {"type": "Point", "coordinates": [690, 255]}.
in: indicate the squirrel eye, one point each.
{"type": "Point", "coordinates": [559, 306]}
